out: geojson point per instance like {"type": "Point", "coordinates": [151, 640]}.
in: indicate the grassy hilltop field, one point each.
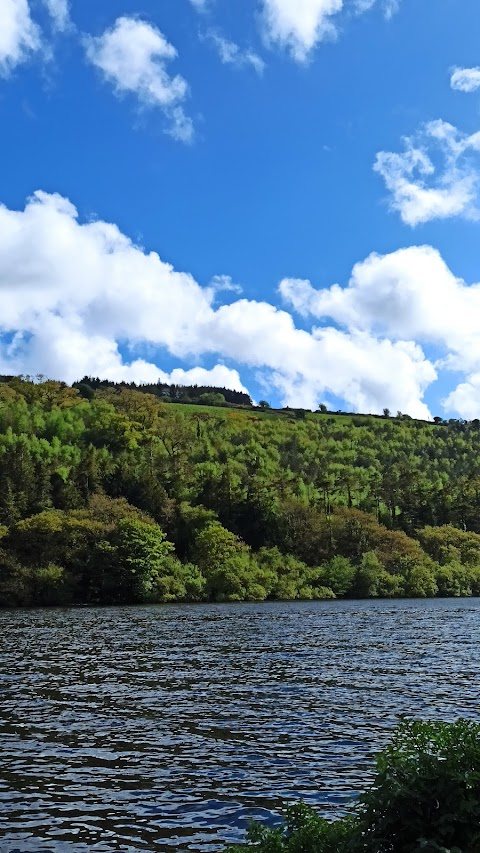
{"type": "Point", "coordinates": [114, 494]}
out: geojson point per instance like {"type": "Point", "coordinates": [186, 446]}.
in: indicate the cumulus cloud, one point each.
{"type": "Point", "coordinates": [420, 190]}
{"type": "Point", "coordinates": [219, 376]}
{"type": "Point", "coordinates": [465, 398]}
{"type": "Point", "coordinates": [19, 35]}
{"type": "Point", "coordinates": [231, 54]}
{"type": "Point", "coordinates": [84, 354]}
{"type": "Point", "coordinates": [74, 294]}
{"type": "Point", "coordinates": [465, 79]}
{"type": "Point", "coordinates": [410, 294]}
{"type": "Point", "coordinates": [299, 25]}
{"type": "Point", "coordinates": [133, 57]}
{"type": "Point", "coordinates": [59, 10]}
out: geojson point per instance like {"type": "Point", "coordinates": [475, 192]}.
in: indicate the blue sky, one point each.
{"type": "Point", "coordinates": [264, 149]}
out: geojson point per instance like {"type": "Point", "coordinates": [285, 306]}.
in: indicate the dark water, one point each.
{"type": "Point", "coordinates": [160, 728]}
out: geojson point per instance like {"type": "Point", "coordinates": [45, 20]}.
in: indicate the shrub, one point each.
{"type": "Point", "coordinates": [303, 831]}
{"type": "Point", "coordinates": [425, 797]}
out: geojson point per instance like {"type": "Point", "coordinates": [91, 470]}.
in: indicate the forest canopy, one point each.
{"type": "Point", "coordinates": [113, 495]}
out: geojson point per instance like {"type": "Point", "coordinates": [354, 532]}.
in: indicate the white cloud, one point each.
{"type": "Point", "coordinates": [465, 79]}
{"type": "Point", "coordinates": [19, 35]}
{"type": "Point", "coordinates": [133, 56]}
{"type": "Point", "coordinates": [362, 6]}
{"type": "Point", "coordinates": [299, 25]}
{"type": "Point", "coordinates": [86, 355]}
{"type": "Point", "coordinates": [231, 54]}
{"type": "Point", "coordinates": [465, 399]}
{"type": "Point", "coordinates": [219, 376]}
{"type": "Point", "coordinates": [59, 10]}
{"type": "Point", "coordinates": [410, 294]}
{"type": "Point", "coordinates": [422, 192]}
{"type": "Point", "coordinates": [221, 283]}
{"type": "Point", "coordinates": [82, 354]}
{"type": "Point", "coordinates": [181, 125]}
{"type": "Point", "coordinates": [72, 292]}
{"type": "Point", "coordinates": [199, 5]}
{"type": "Point", "coordinates": [390, 7]}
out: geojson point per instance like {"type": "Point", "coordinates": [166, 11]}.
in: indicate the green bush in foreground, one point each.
{"type": "Point", "coordinates": [425, 797]}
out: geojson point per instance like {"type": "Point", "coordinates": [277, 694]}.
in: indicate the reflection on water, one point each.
{"type": "Point", "coordinates": [160, 728]}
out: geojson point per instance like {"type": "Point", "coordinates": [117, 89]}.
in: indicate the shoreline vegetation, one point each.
{"type": "Point", "coordinates": [425, 797]}
{"type": "Point", "coordinates": [115, 494]}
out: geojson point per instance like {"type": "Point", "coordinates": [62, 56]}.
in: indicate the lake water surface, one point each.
{"type": "Point", "coordinates": [168, 728]}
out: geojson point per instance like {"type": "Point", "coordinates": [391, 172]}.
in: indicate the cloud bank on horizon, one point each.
{"type": "Point", "coordinates": [82, 297]}
{"type": "Point", "coordinates": [71, 292]}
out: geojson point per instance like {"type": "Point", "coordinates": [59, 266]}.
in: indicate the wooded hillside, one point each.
{"type": "Point", "coordinates": [111, 495]}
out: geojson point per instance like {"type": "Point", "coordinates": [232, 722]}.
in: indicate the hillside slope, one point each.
{"type": "Point", "coordinates": [111, 495]}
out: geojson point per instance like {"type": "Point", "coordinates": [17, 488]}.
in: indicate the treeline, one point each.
{"type": "Point", "coordinates": [118, 497]}
{"type": "Point", "coordinates": [200, 394]}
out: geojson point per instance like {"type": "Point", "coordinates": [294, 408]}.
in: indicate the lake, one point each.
{"type": "Point", "coordinates": [168, 728]}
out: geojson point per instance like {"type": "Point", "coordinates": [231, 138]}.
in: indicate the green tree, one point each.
{"type": "Point", "coordinates": [338, 574]}
{"type": "Point", "coordinates": [368, 577]}
{"type": "Point", "coordinates": [418, 580]}
{"type": "Point", "coordinates": [455, 580]}
{"type": "Point", "coordinates": [231, 573]}
{"type": "Point", "coordinates": [212, 398]}
{"type": "Point", "coordinates": [135, 563]}
{"type": "Point", "coordinates": [292, 579]}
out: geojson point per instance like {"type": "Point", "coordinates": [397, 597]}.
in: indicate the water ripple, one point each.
{"type": "Point", "coordinates": [162, 728]}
